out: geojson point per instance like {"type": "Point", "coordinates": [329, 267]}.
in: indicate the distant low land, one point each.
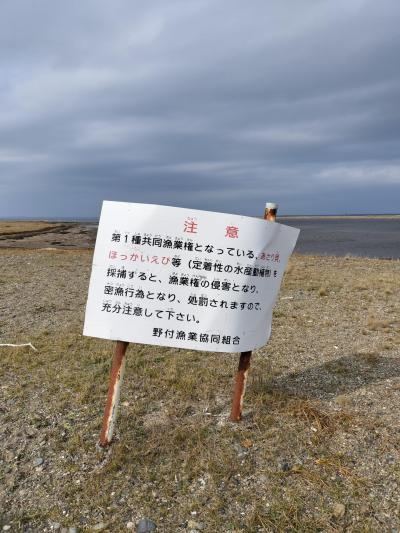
{"type": "Point", "coordinates": [12, 227]}
{"type": "Point", "coordinates": [36, 234]}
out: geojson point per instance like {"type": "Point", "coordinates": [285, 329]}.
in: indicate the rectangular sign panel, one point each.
{"type": "Point", "coordinates": [185, 278]}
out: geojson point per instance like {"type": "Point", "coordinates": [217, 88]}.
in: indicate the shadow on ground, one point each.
{"type": "Point", "coordinates": [333, 378]}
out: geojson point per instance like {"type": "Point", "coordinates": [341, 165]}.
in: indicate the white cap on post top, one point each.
{"type": "Point", "coordinates": [271, 205]}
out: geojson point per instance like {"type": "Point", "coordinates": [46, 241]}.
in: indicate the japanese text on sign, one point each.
{"type": "Point", "coordinates": [185, 278]}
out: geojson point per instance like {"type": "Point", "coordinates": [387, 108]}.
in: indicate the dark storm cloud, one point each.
{"type": "Point", "coordinates": [215, 105]}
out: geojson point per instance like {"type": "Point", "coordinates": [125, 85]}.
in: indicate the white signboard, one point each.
{"type": "Point", "coordinates": [185, 278]}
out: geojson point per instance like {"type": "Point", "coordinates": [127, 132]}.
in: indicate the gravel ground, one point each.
{"type": "Point", "coordinates": [318, 449]}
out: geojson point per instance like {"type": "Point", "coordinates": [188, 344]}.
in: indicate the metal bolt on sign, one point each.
{"type": "Point", "coordinates": [118, 368]}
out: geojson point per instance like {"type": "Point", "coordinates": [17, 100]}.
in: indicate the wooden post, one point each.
{"type": "Point", "coordinates": [245, 357]}
{"type": "Point", "coordinates": [114, 388]}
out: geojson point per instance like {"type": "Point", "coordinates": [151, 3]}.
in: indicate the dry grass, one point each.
{"type": "Point", "coordinates": [320, 425]}
{"type": "Point", "coordinates": [375, 324]}
{"type": "Point", "coordinates": [11, 227]}
{"type": "Point", "coordinates": [369, 357]}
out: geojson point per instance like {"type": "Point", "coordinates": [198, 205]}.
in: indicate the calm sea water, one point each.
{"type": "Point", "coordinates": [359, 237]}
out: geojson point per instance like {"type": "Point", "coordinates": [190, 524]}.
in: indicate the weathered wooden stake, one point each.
{"type": "Point", "coordinates": [116, 377]}
{"type": "Point", "coordinates": [245, 357]}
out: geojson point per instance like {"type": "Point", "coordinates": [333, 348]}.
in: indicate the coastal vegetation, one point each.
{"type": "Point", "coordinates": [317, 448]}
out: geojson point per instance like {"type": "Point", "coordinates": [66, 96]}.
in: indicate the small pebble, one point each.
{"type": "Point", "coordinates": [145, 525]}
{"type": "Point", "coordinates": [31, 431]}
{"type": "Point", "coordinates": [6, 527]}
{"type": "Point", "coordinates": [285, 466]}
{"type": "Point", "coordinates": [38, 461]}
{"type": "Point", "coordinates": [99, 527]}
{"type": "Point", "coordinates": [339, 510]}
{"type": "Point", "coordinates": [192, 525]}
{"type": "Point", "coordinates": [130, 525]}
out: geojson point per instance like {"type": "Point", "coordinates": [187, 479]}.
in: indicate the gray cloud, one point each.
{"type": "Point", "coordinates": [214, 105]}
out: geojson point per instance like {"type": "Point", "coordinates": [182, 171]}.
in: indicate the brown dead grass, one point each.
{"type": "Point", "coordinates": [11, 227]}
{"type": "Point", "coordinates": [375, 324]}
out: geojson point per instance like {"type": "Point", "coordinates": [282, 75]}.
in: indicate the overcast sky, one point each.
{"type": "Point", "coordinates": [219, 104]}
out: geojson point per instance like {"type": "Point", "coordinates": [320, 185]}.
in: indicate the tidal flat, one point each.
{"type": "Point", "coordinates": [317, 449]}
